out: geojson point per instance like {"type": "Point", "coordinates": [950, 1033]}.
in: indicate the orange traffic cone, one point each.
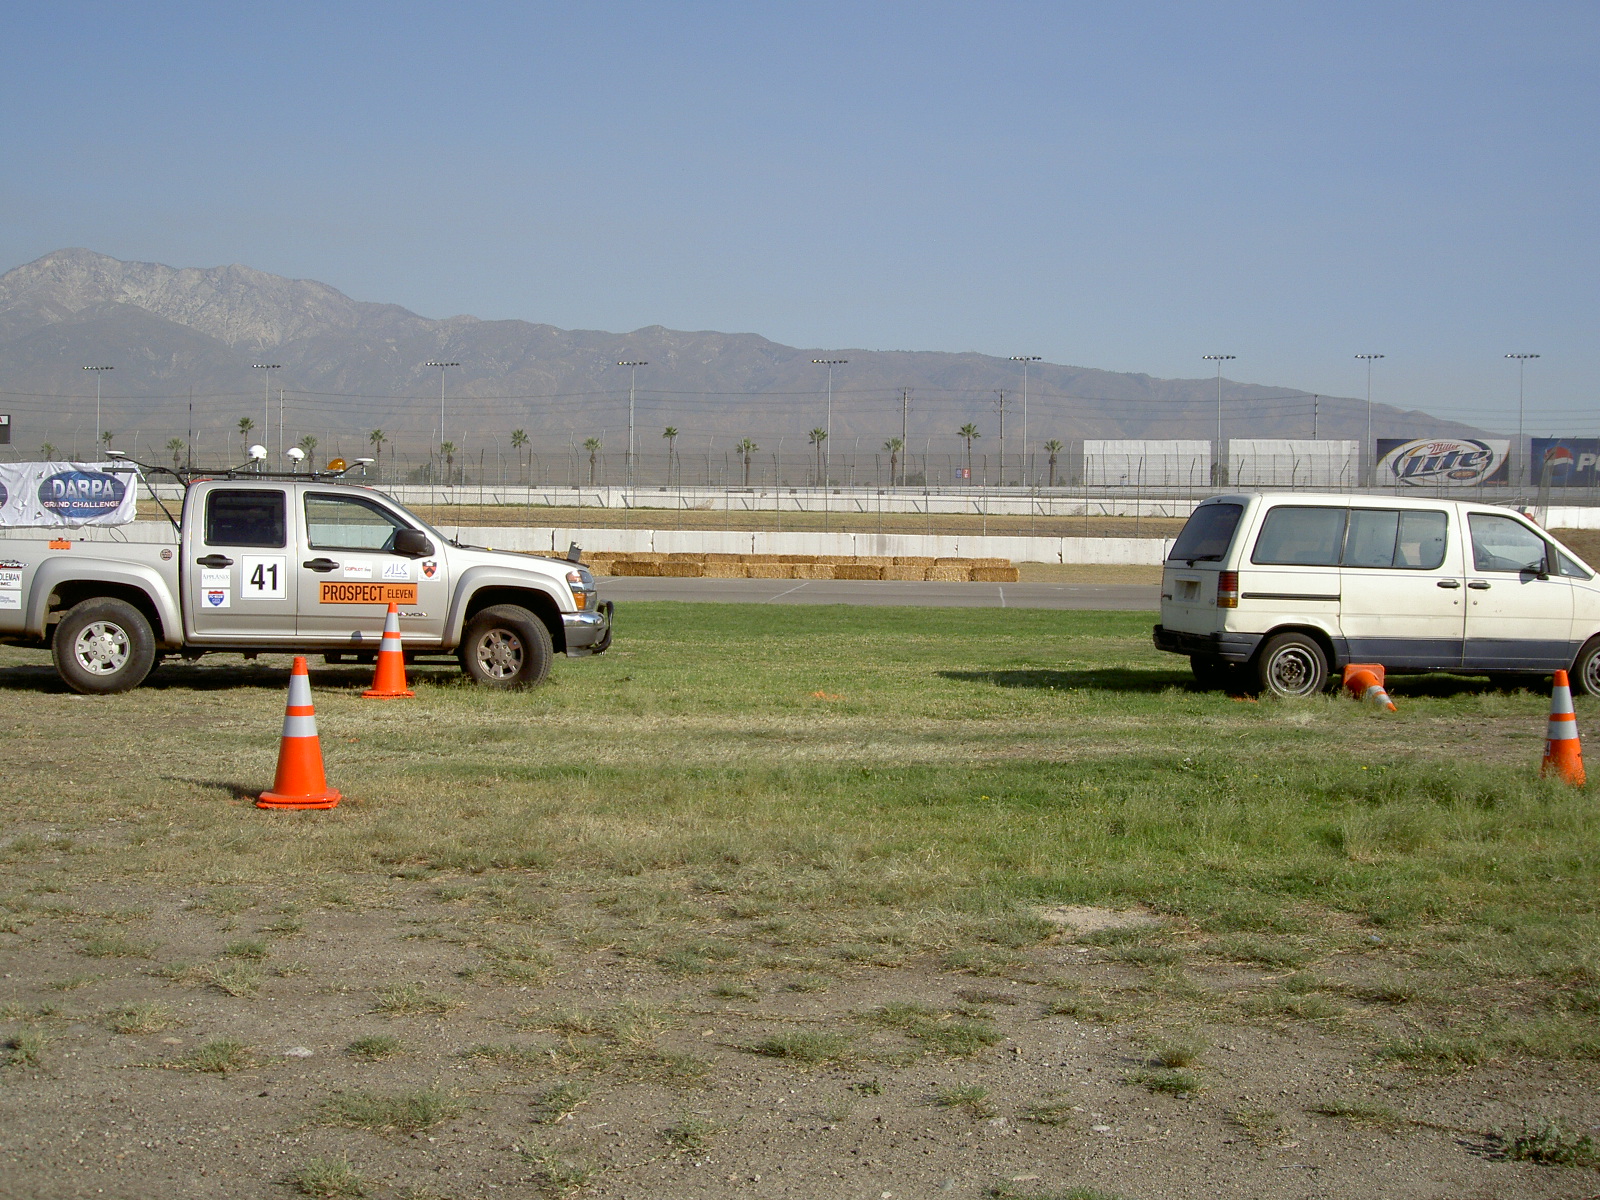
{"type": "Point", "coordinates": [299, 782]}
{"type": "Point", "coordinates": [1365, 681]}
{"type": "Point", "coordinates": [389, 680]}
{"type": "Point", "coordinates": [1562, 753]}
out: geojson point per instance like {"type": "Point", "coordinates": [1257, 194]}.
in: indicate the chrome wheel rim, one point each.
{"type": "Point", "coordinates": [500, 654]}
{"type": "Point", "coordinates": [1591, 675]}
{"type": "Point", "coordinates": [102, 648]}
{"type": "Point", "coordinates": [1293, 671]}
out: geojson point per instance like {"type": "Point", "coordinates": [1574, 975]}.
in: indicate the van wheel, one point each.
{"type": "Point", "coordinates": [103, 646]}
{"type": "Point", "coordinates": [504, 646]}
{"type": "Point", "coordinates": [1585, 673]}
{"type": "Point", "coordinates": [1292, 664]}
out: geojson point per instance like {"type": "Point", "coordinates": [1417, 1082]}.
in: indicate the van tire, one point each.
{"type": "Point", "coordinates": [506, 646]}
{"type": "Point", "coordinates": [1291, 666]}
{"type": "Point", "coordinates": [1585, 673]}
{"type": "Point", "coordinates": [103, 646]}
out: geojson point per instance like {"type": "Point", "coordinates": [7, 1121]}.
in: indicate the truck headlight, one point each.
{"type": "Point", "coordinates": [582, 585]}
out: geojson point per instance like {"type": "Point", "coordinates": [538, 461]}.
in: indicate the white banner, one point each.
{"type": "Point", "coordinates": [57, 494]}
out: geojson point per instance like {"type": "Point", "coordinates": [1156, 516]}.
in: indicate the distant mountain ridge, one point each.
{"type": "Point", "coordinates": [347, 366]}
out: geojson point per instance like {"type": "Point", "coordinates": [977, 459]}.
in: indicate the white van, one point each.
{"type": "Point", "coordinates": [1292, 586]}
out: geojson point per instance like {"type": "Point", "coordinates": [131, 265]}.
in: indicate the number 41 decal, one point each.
{"type": "Point", "coordinates": [262, 576]}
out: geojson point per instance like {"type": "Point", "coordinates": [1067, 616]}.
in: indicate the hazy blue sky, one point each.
{"type": "Point", "coordinates": [1117, 185]}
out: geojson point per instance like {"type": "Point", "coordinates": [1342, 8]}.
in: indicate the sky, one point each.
{"type": "Point", "coordinates": [1126, 186]}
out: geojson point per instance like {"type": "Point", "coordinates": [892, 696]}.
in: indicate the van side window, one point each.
{"type": "Point", "coordinates": [1387, 537]}
{"type": "Point", "coordinates": [1502, 544]}
{"type": "Point", "coordinates": [251, 517]}
{"type": "Point", "coordinates": [1296, 535]}
{"type": "Point", "coordinates": [1571, 570]}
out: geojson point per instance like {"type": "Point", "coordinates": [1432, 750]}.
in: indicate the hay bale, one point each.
{"type": "Point", "coordinates": [766, 571]}
{"type": "Point", "coordinates": [991, 562]}
{"type": "Point", "coordinates": [914, 560]}
{"type": "Point", "coordinates": [684, 556]}
{"type": "Point", "coordinates": [680, 570]}
{"type": "Point", "coordinates": [834, 560]}
{"type": "Point", "coordinates": [949, 574]}
{"type": "Point", "coordinates": [857, 570]}
{"type": "Point", "coordinates": [804, 559]}
{"type": "Point", "coordinates": [628, 568]}
{"type": "Point", "coordinates": [873, 560]}
{"type": "Point", "coordinates": [812, 570]}
{"type": "Point", "coordinates": [719, 557]}
{"type": "Point", "coordinates": [955, 562]}
{"type": "Point", "coordinates": [994, 574]}
{"type": "Point", "coordinates": [647, 556]}
{"type": "Point", "coordinates": [897, 572]}
{"type": "Point", "coordinates": [723, 570]}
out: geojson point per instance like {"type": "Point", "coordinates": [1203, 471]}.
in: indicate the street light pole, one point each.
{"type": "Point", "coordinates": [1024, 359]}
{"type": "Point", "coordinates": [827, 429]}
{"type": "Point", "coordinates": [266, 402]}
{"type": "Point", "coordinates": [1522, 361]}
{"type": "Point", "coordinates": [1219, 457]}
{"type": "Point", "coordinates": [633, 366]}
{"type": "Point", "coordinates": [97, 379]}
{"type": "Point", "coordinates": [1368, 449]}
{"type": "Point", "coordinates": [442, 367]}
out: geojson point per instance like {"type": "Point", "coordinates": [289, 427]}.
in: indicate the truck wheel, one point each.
{"type": "Point", "coordinates": [102, 646]}
{"type": "Point", "coordinates": [1292, 665]}
{"type": "Point", "coordinates": [1585, 673]}
{"type": "Point", "coordinates": [506, 646]}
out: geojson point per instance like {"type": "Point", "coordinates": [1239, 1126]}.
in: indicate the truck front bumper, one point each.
{"type": "Point", "coordinates": [589, 633]}
{"type": "Point", "coordinates": [1228, 647]}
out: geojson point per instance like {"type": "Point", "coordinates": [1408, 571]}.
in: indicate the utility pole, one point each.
{"type": "Point", "coordinates": [1522, 361]}
{"type": "Point", "coordinates": [1000, 407]}
{"type": "Point", "coordinates": [1219, 456]}
{"type": "Point", "coordinates": [1313, 416]}
{"type": "Point", "coordinates": [905, 407]}
{"type": "Point", "coordinates": [633, 377]}
{"type": "Point", "coordinates": [1369, 449]}
{"type": "Point", "coordinates": [97, 379]}
{"type": "Point", "coordinates": [266, 403]}
{"type": "Point", "coordinates": [442, 368]}
{"type": "Point", "coordinates": [827, 428]}
{"type": "Point", "coordinates": [1024, 359]}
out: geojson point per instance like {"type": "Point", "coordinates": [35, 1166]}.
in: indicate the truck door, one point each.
{"type": "Point", "coordinates": [240, 572]}
{"type": "Point", "coordinates": [350, 574]}
{"type": "Point", "coordinates": [1518, 617]}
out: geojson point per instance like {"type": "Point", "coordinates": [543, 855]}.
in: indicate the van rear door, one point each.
{"type": "Point", "coordinates": [1189, 579]}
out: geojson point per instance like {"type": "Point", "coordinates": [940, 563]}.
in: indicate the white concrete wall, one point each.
{"type": "Point", "coordinates": [1291, 463]}
{"type": "Point", "coordinates": [1136, 463]}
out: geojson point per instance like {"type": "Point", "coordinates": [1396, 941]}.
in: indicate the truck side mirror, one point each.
{"type": "Point", "coordinates": [412, 543]}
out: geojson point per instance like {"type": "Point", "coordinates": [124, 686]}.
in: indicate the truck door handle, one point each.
{"type": "Point", "coordinates": [214, 560]}
{"type": "Point", "coordinates": [320, 564]}
{"type": "Point", "coordinates": [1448, 583]}
{"type": "Point", "coordinates": [1479, 585]}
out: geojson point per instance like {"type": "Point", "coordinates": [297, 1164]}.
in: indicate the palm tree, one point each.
{"type": "Point", "coordinates": [818, 436]}
{"type": "Point", "coordinates": [377, 438]}
{"type": "Point", "coordinates": [175, 448]}
{"type": "Point", "coordinates": [592, 445]}
{"type": "Point", "coordinates": [969, 431]}
{"type": "Point", "coordinates": [106, 435]}
{"type": "Point", "coordinates": [447, 451]}
{"type": "Point", "coordinates": [671, 434]}
{"type": "Point", "coordinates": [47, 452]}
{"type": "Point", "coordinates": [746, 448]}
{"type": "Point", "coordinates": [245, 426]}
{"type": "Point", "coordinates": [309, 445]}
{"type": "Point", "coordinates": [894, 446]}
{"type": "Point", "coordinates": [519, 439]}
{"type": "Point", "coordinates": [1054, 447]}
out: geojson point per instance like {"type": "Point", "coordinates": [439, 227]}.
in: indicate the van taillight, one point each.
{"type": "Point", "coordinates": [1228, 589]}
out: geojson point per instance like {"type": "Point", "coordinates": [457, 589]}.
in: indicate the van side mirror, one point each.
{"type": "Point", "coordinates": [412, 543]}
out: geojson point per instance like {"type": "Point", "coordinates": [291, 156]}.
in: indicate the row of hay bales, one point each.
{"type": "Point", "coordinates": [802, 566]}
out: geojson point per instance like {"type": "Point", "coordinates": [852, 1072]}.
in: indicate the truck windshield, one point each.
{"type": "Point", "coordinates": [1207, 534]}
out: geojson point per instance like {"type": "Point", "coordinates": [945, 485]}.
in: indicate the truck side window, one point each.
{"type": "Point", "coordinates": [348, 523]}
{"type": "Point", "coordinates": [1502, 544]}
{"type": "Point", "coordinates": [245, 518]}
{"type": "Point", "coordinates": [1301, 535]}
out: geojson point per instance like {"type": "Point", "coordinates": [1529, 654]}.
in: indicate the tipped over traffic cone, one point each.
{"type": "Point", "coordinates": [389, 680]}
{"type": "Point", "coordinates": [1562, 753]}
{"type": "Point", "coordinates": [299, 782]}
{"type": "Point", "coordinates": [1365, 681]}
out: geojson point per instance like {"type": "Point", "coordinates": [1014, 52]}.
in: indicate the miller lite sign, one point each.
{"type": "Point", "coordinates": [1441, 462]}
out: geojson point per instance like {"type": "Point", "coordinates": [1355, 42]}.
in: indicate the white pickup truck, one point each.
{"type": "Point", "coordinates": [305, 564]}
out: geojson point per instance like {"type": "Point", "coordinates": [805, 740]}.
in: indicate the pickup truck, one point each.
{"type": "Point", "coordinates": [302, 564]}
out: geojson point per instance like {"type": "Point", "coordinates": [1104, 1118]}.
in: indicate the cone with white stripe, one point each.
{"type": "Point", "coordinates": [1562, 753]}
{"type": "Point", "coordinates": [299, 782]}
{"type": "Point", "coordinates": [1365, 681]}
{"type": "Point", "coordinates": [389, 680]}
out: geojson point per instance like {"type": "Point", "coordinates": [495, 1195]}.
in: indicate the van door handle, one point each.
{"type": "Point", "coordinates": [214, 560]}
{"type": "Point", "coordinates": [320, 564]}
{"type": "Point", "coordinates": [1479, 585]}
{"type": "Point", "coordinates": [1449, 583]}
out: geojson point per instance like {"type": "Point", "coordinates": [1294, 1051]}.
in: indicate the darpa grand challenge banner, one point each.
{"type": "Point", "coordinates": [56, 494]}
{"type": "Point", "coordinates": [1565, 462]}
{"type": "Point", "coordinates": [1441, 462]}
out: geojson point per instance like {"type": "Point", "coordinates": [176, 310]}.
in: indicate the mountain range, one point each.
{"type": "Point", "coordinates": [183, 344]}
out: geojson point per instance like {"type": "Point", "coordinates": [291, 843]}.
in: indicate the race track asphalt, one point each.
{"type": "Point", "coordinates": [1131, 597]}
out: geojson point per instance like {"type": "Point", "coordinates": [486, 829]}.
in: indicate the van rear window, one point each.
{"type": "Point", "coordinates": [1293, 535]}
{"type": "Point", "coordinates": [1208, 533]}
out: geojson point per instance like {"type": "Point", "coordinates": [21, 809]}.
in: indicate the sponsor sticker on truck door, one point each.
{"type": "Point", "coordinates": [344, 592]}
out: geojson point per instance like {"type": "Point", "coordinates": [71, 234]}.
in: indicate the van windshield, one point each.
{"type": "Point", "coordinates": [1208, 533]}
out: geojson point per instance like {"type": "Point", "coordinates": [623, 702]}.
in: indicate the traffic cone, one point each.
{"type": "Point", "coordinates": [299, 782]}
{"type": "Point", "coordinates": [1365, 681]}
{"type": "Point", "coordinates": [1562, 753]}
{"type": "Point", "coordinates": [389, 680]}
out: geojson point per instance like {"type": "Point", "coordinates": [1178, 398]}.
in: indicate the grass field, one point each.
{"type": "Point", "coordinates": [768, 814]}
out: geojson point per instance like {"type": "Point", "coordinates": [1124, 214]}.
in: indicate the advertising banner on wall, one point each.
{"type": "Point", "coordinates": [1441, 462]}
{"type": "Point", "coordinates": [1566, 462]}
{"type": "Point", "coordinates": [57, 494]}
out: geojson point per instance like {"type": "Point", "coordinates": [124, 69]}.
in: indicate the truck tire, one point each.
{"type": "Point", "coordinates": [506, 646]}
{"type": "Point", "coordinates": [1291, 665]}
{"type": "Point", "coordinates": [102, 646]}
{"type": "Point", "coordinates": [1585, 673]}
